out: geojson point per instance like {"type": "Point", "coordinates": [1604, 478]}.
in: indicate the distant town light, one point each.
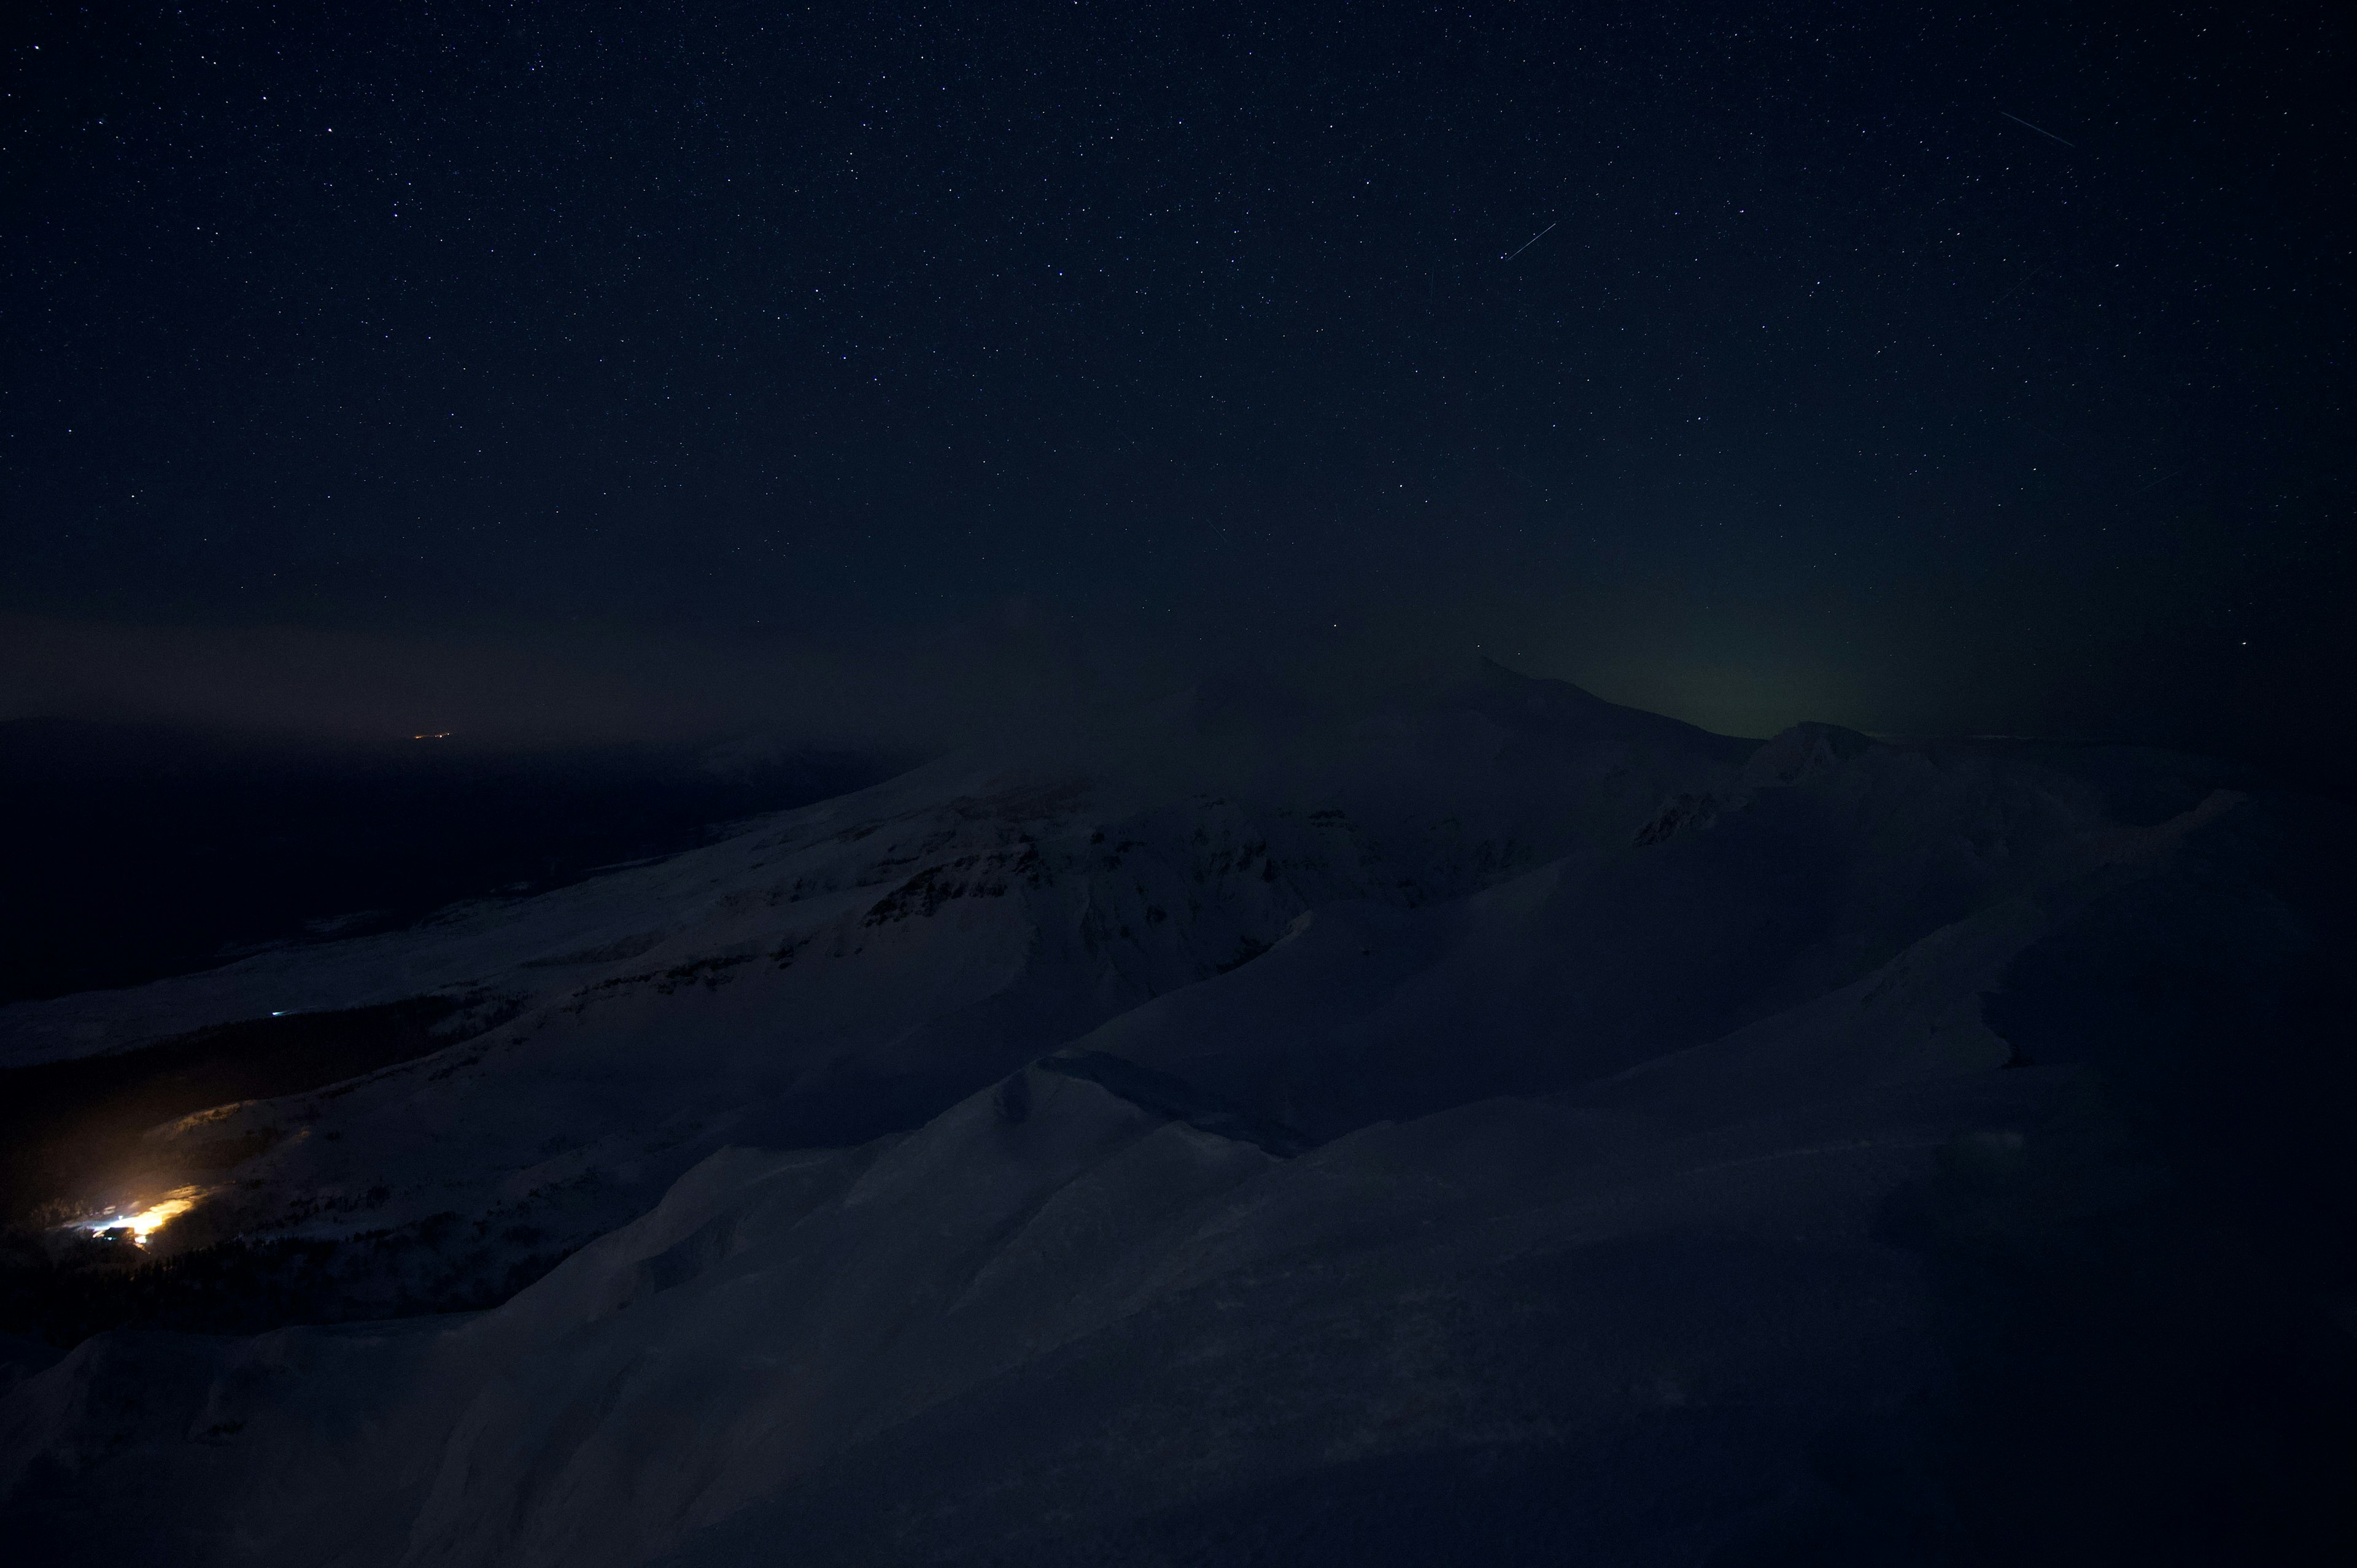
{"type": "Point", "coordinates": [145, 1223]}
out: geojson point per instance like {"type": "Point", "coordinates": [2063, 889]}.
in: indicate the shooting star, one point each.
{"type": "Point", "coordinates": [2041, 130]}
{"type": "Point", "coordinates": [1526, 244]}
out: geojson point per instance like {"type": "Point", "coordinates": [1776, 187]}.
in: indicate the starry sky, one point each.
{"type": "Point", "coordinates": [1971, 370]}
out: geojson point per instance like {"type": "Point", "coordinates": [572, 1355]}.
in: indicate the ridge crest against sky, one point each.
{"type": "Point", "coordinates": [1877, 365]}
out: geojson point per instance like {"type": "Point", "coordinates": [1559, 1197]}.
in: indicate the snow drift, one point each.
{"type": "Point", "coordinates": [1506, 1129]}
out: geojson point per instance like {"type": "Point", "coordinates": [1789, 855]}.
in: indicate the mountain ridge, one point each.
{"type": "Point", "coordinates": [1129, 1157]}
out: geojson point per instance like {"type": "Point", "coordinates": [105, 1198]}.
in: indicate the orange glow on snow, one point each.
{"type": "Point", "coordinates": [145, 1222]}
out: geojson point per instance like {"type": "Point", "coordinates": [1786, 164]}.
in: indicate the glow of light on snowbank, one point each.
{"type": "Point", "coordinates": [145, 1223]}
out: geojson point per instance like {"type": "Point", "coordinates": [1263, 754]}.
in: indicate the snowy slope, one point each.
{"type": "Point", "coordinates": [847, 970]}
{"type": "Point", "coordinates": [1221, 1137]}
{"type": "Point", "coordinates": [1068, 1316]}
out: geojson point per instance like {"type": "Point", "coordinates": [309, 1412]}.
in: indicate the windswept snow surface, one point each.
{"type": "Point", "coordinates": [1513, 1128]}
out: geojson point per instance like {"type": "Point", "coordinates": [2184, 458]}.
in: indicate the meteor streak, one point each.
{"type": "Point", "coordinates": [2041, 130]}
{"type": "Point", "coordinates": [1529, 243]}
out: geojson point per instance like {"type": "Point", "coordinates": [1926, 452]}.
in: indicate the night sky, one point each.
{"type": "Point", "coordinates": [1973, 371]}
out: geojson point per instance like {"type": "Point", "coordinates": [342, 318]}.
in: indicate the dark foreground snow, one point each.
{"type": "Point", "coordinates": [1510, 1129]}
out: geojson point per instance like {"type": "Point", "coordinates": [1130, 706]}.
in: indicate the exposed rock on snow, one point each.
{"type": "Point", "coordinates": [1381, 1141]}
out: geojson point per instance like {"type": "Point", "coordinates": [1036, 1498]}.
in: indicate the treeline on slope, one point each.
{"type": "Point", "coordinates": [71, 1130]}
{"type": "Point", "coordinates": [62, 1291]}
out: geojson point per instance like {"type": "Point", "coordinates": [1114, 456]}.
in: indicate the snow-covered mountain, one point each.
{"type": "Point", "coordinates": [1491, 1129]}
